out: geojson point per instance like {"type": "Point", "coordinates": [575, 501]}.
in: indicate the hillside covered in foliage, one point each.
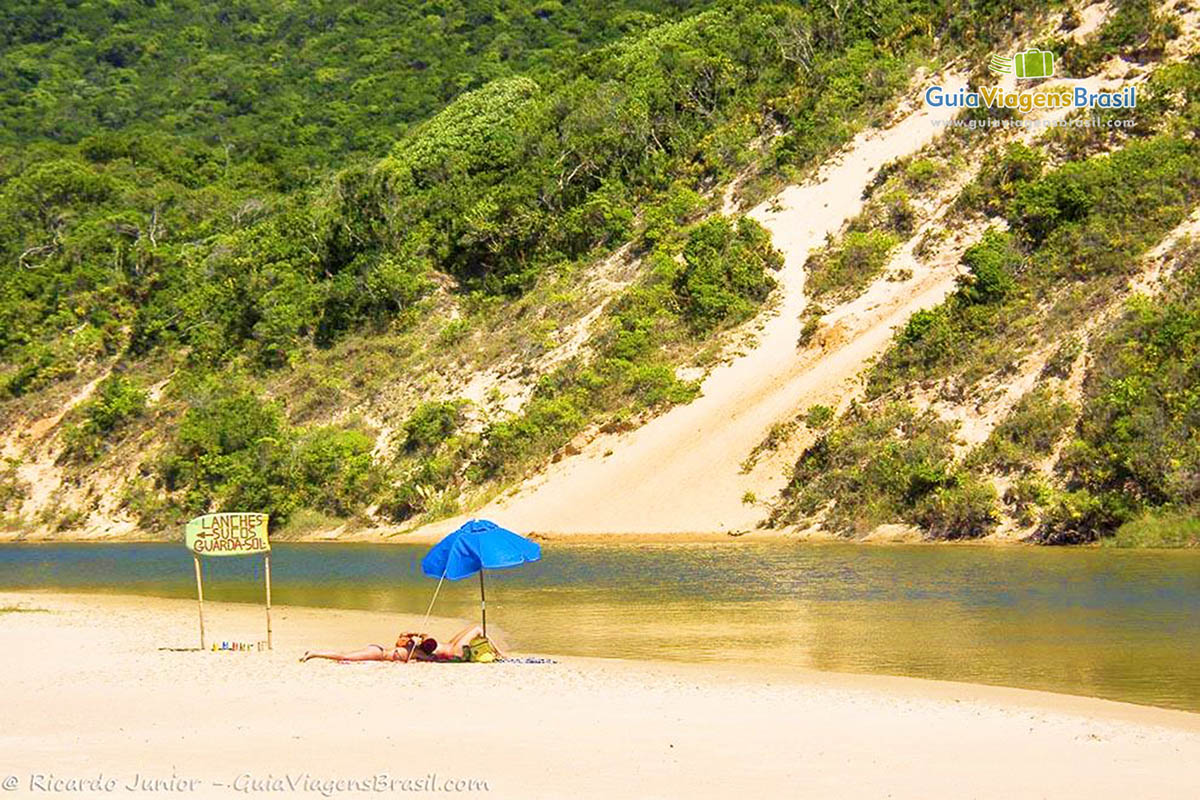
{"type": "Point", "coordinates": [261, 253]}
{"type": "Point", "coordinates": [1052, 297]}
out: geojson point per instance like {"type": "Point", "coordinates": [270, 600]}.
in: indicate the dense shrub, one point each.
{"type": "Point", "coordinates": [13, 490]}
{"type": "Point", "coordinates": [1079, 517]}
{"type": "Point", "coordinates": [1171, 528]}
{"type": "Point", "coordinates": [880, 466]}
{"type": "Point", "coordinates": [331, 470]}
{"type": "Point", "coordinates": [1001, 177]}
{"type": "Point", "coordinates": [667, 214]}
{"type": "Point", "coordinates": [964, 511]}
{"type": "Point", "coordinates": [1069, 234]}
{"type": "Point", "coordinates": [173, 185]}
{"type": "Point", "coordinates": [854, 261]}
{"type": "Point", "coordinates": [1027, 496]}
{"type": "Point", "coordinates": [430, 424]}
{"type": "Point", "coordinates": [234, 451]}
{"type": "Point", "coordinates": [1141, 409]}
{"type": "Point", "coordinates": [1136, 30]}
{"type": "Point", "coordinates": [818, 416]}
{"type": "Point", "coordinates": [723, 279]}
{"type": "Point", "coordinates": [170, 188]}
{"type": "Point", "coordinates": [992, 265]}
{"type": "Point", "coordinates": [726, 273]}
{"type": "Point", "coordinates": [116, 402]}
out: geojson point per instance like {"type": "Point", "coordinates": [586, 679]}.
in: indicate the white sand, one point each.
{"type": "Point", "coordinates": [87, 692]}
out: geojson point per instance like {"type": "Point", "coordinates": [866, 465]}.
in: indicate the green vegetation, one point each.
{"type": "Point", "coordinates": [1071, 244]}
{"type": "Point", "coordinates": [1026, 497]}
{"type": "Point", "coordinates": [858, 257]}
{"type": "Point", "coordinates": [1076, 234]}
{"type": "Point", "coordinates": [846, 265]}
{"type": "Point", "coordinates": [1137, 30]}
{"type": "Point", "coordinates": [1136, 445]}
{"type": "Point", "coordinates": [818, 416]}
{"type": "Point", "coordinates": [233, 450]}
{"type": "Point", "coordinates": [713, 275]}
{"type": "Point", "coordinates": [725, 272]}
{"type": "Point", "coordinates": [999, 179]}
{"type": "Point", "coordinates": [212, 193]}
{"type": "Point", "coordinates": [430, 425]}
{"type": "Point", "coordinates": [141, 224]}
{"type": "Point", "coordinates": [1158, 530]}
{"type": "Point", "coordinates": [12, 489]}
{"type": "Point", "coordinates": [130, 244]}
{"type": "Point", "coordinates": [116, 401]}
{"type": "Point", "coordinates": [881, 466]}
{"type": "Point", "coordinates": [326, 81]}
{"type": "Point", "coordinates": [1027, 435]}
{"type": "Point", "coordinates": [722, 279]}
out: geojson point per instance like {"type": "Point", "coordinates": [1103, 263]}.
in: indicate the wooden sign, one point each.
{"type": "Point", "coordinates": [236, 534]}
{"type": "Point", "coordinates": [241, 533]}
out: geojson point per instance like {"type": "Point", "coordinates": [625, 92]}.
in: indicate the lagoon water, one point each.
{"type": "Point", "coordinates": [1118, 624]}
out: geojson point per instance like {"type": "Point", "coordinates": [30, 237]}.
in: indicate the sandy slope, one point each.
{"type": "Point", "coordinates": [89, 692]}
{"type": "Point", "coordinates": [682, 471]}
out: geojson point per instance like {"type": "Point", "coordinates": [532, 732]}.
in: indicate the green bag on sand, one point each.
{"type": "Point", "coordinates": [480, 651]}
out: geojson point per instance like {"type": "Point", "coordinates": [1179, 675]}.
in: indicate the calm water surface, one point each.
{"type": "Point", "coordinates": [1118, 624]}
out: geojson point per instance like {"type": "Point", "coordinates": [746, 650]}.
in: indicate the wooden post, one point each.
{"type": "Point", "coordinates": [483, 602]}
{"type": "Point", "coordinates": [267, 575]}
{"type": "Point", "coordinates": [200, 597]}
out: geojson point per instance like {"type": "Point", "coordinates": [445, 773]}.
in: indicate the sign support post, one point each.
{"type": "Point", "coordinates": [267, 575]}
{"type": "Point", "coordinates": [200, 597]}
{"type": "Point", "coordinates": [231, 534]}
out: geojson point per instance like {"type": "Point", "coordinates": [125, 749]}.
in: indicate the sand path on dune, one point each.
{"type": "Point", "coordinates": [681, 471]}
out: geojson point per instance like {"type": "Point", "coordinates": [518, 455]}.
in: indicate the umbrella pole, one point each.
{"type": "Point", "coordinates": [413, 645]}
{"type": "Point", "coordinates": [483, 602]}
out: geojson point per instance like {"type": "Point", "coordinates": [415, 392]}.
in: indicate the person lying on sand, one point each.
{"type": "Point", "coordinates": [409, 646]}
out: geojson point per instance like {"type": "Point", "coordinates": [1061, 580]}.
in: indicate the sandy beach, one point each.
{"type": "Point", "coordinates": [104, 693]}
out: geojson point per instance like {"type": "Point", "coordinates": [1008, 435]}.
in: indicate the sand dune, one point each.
{"type": "Point", "coordinates": [681, 472]}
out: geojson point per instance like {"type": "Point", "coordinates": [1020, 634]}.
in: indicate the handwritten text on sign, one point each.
{"type": "Point", "coordinates": [235, 534]}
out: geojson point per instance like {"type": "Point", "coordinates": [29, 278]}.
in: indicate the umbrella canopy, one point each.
{"type": "Point", "coordinates": [475, 546]}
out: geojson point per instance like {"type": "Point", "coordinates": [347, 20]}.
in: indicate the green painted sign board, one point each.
{"type": "Point", "coordinates": [232, 534]}
{"type": "Point", "coordinates": [239, 533]}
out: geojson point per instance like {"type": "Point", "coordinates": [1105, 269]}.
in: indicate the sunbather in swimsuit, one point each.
{"type": "Point", "coordinates": [409, 647]}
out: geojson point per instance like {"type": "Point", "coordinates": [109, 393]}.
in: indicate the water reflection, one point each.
{"type": "Point", "coordinates": [1117, 624]}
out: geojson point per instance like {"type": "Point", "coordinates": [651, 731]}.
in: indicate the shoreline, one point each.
{"type": "Point", "coordinates": [431, 534]}
{"type": "Point", "coordinates": [137, 697]}
{"type": "Point", "coordinates": [310, 618]}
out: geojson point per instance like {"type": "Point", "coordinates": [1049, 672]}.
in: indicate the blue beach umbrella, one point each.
{"type": "Point", "coordinates": [476, 546]}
